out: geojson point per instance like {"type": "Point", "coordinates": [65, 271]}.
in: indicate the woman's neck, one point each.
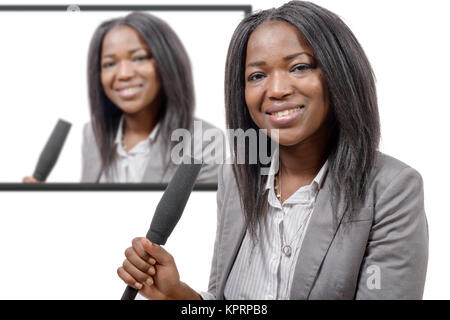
{"type": "Point", "coordinates": [142, 122]}
{"type": "Point", "coordinates": [138, 126]}
{"type": "Point", "coordinates": [304, 160]}
{"type": "Point", "coordinates": [300, 164]}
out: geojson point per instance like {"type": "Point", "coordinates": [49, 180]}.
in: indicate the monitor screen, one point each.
{"type": "Point", "coordinates": [44, 68]}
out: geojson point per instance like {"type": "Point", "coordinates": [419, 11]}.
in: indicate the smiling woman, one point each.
{"type": "Point", "coordinates": [338, 219]}
{"type": "Point", "coordinates": [280, 64]}
{"type": "Point", "coordinates": [318, 226]}
{"type": "Point", "coordinates": [129, 75]}
{"type": "Point", "coordinates": [140, 91]}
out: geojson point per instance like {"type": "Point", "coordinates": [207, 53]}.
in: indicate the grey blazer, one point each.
{"type": "Point", "coordinates": [92, 168]}
{"type": "Point", "coordinates": [386, 238]}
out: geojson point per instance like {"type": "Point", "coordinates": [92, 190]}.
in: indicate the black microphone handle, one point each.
{"type": "Point", "coordinates": [129, 293]}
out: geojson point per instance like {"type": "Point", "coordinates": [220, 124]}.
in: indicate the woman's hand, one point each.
{"type": "Point", "coordinates": [30, 180]}
{"type": "Point", "coordinates": [152, 270]}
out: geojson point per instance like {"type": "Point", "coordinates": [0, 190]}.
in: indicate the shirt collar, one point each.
{"type": "Point", "coordinates": [118, 141]}
{"type": "Point", "coordinates": [316, 184]}
{"type": "Point", "coordinates": [151, 137]}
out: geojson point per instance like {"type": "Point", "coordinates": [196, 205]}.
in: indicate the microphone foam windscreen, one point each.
{"type": "Point", "coordinates": [171, 206]}
{"type": "Point", "coordinates": [51, 151]}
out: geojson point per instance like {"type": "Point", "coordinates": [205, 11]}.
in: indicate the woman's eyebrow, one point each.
{"type": "Point", "coordinates": [129, 51]}
{"type": "Point", "coordinates": [292, 56]}
{"type": "Point", "coordinates": [108, 55]}
{"type": "Point", "coordinates": [256, 64]}
{"type": "Point", "coordinates": [137, 49]}
{"type": "Point", "coordinates": [289, 57]}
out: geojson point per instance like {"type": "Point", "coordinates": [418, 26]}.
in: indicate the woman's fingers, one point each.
{"type": "Point", "coordinates": [140, 250]}
{"type": "Point", "coordinates": [138, 262]}
{"type": "Point", "coordinates": [137, 274]}
{"type": "Point", "coordinates": [30, 180]}
{"type": "Point", "coordinates": [157, 252]}
{"type": "Point", "coordinates": [128, 279]}
{"type": "Point", "coordinates": [151, 269]}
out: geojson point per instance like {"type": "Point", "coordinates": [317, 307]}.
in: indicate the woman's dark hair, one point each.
{"type": "Point", "coordinates": [174, 69]}
{"type": "Point", "coordinates": [350, 81]}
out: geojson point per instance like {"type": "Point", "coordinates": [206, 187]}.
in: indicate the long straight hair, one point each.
{"type": "Point", "coordinates": [348, 75]}
{"type": "Point", "coordinates": [174, 69]}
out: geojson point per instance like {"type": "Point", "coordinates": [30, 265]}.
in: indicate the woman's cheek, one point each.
{"type": "Point", "coordinates": [253, 98]}
{"type": "Point", "coordinates": [105, 80]}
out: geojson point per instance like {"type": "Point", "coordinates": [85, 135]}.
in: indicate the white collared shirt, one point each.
{"type": "Point", "coordinates": [263, 271]}
{"type": "Point", "coordinates": [129, 167]}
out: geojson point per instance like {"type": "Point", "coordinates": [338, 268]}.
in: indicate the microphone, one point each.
{"type": "Point", "coordinates": [169, 210]}
{"type": "Point", "coordinates": [51, 151]}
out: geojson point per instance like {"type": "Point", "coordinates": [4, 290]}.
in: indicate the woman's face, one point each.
{"type": "Point", "coordinates": [128, 71]}
{"type": "Point", "coordinates": [284, 88]}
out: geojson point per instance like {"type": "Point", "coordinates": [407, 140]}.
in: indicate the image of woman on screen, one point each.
{"type": "Point", "coordinates": [335, 218]}
{"type": "Point", "coordinates": [140, 90]}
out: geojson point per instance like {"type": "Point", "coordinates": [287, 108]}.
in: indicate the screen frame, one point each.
{"type": "Point", "coordinates": [246, 9]}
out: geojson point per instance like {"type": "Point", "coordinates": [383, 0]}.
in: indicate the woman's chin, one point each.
{"type": "Point", "coordinates": [290, 141]}
{"type": "Point", "coordinates": [131, 108]}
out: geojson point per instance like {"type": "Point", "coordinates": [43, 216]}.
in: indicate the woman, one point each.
{"type": "Point", "coordinates": [140, 92]}
{"type": "Point", "coordinates": [339, 219]}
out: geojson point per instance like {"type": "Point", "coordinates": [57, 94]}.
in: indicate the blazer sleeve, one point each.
{"type": "Point", "coordinates": [91, 163]}
{"type": "Point", "coordinates": [84, 153]}
{"type": "Point", "coordinates": [396, 257]}
{"type": "Point", "coordinates": [213, 277]}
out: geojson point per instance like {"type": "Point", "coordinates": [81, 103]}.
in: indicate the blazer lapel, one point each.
{"type": "Point", "coordinates": [319, 235]}
{"type": "Point", "coordinates": [155, 170]}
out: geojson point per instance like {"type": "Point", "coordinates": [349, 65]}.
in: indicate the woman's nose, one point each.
{"type": "Point", "coordinates": [125, 70]}
{"type": "Point", "coordinates": [279, 86]}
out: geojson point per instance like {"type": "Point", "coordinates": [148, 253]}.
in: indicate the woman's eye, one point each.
{"type": "Point", "coordinates": [141, 58]}
{"type": "Point", "coordinates": [255, 76]}
{"type": "Point", "coordinates": [108, 64]}
{"type": "Point", "coordinates": [301, 67]}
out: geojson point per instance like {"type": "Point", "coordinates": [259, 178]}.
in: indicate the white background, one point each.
{"type": "Point", "coordinates": [68, 244]}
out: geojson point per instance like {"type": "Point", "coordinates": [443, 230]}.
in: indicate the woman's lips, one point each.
{"type": "Point", "coordinates": [129, 93]}
{"type": "Point", "coordinates": [286, 116]}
